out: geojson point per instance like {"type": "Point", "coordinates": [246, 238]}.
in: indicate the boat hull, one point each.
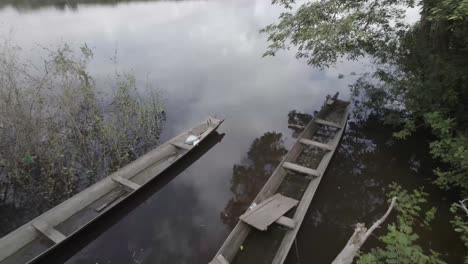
{"type": "Point", "coordinates": [241, 231]}
{"type": "Point", "coordinates": [41, 235]}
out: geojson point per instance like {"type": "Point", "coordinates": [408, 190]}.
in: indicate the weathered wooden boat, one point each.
{"type": "Point", "coordinates": [59, 224]}
{"type": "Point", "coordinates": [267, 230]}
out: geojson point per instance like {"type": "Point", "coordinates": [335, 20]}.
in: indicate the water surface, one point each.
{"type": "Point", "coordinates": [206, 59]}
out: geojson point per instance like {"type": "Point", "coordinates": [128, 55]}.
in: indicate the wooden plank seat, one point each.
{"type": "Point", "coordinates": [314, 143]}
{"type": "Point", "coordinates": [327, 123]}
{"type": "Point", "coordinates": [51, 233]}
{"type": "Point", "coordinates": [269, 211]}
{"type": "Point", "coordinates": [286, 222]}
{"type": "Point", "coordinates": [131, 186]}
{"type": "Point", "coordinates": [301, 169]}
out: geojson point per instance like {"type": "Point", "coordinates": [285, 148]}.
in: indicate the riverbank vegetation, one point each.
{"type": "Point", "coordinates": [25, 5]}
{"type": "Point", "coordinates": [60, 133]}
{"type": "Point", "coordinates": [420, 79]}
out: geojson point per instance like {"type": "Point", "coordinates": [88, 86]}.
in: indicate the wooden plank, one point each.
{"type": "Point", "coordinates": [327, 123]}
{"type": "Point", "coordinates": [219, 260]}
{"type": "Point", "coordinates": [295, 126]}
{"type": "Point", "coordinates": [249, 211]}
{"type": "Point", "coordinates": [314, 143]}
{"type": "Point", "coordinates": [263, 216]}
{"type": "Point", "coordinates": [181, 145]}
{"type": "Point", "coordinates": [301, 169]}
{"type": "Point", "coordinates": [126, 183]}
{"type": "Point", "coordinates": [48, 231]}
{"type": "Point", "coordinates": [112, 198]}
{"type": "Point", "coordinates": [286, 221]}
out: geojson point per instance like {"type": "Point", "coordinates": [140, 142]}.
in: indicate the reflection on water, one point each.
{"type": "Point", "coordinates": [264, 155]}
{"type": "Point", "coordinates": [180, 231]}
{"type": "Point", "coordinates": [206, 57]}
{"type": "Point", "coordinates": [169, 238]}
{"type": "Point", "coordinates": [248, 178]}
{"type": "Point", "coordinates": [353, 190]}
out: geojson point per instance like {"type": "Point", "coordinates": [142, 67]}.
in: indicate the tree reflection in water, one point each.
{"type": "Point", "coordinates": [248, 178]}
{"type": "Point", "coordinates": [264, 155]}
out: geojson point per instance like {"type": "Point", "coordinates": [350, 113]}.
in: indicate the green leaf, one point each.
{"type": "Point", "coordinates": [27, 158]}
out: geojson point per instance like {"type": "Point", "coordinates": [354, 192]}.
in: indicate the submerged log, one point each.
{"type": "Point", "coordinates": [358, 238]}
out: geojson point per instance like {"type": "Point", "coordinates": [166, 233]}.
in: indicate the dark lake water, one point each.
{"type": "Point", "coordinates": [205, 57]}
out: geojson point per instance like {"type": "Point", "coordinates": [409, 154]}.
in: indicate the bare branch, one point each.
{"type": "Point", "coordinates": [462, 204]}
{"type": "Point", "coordinates": [382, 219]}
{"type": "Point", "coordinates": [358, 238]}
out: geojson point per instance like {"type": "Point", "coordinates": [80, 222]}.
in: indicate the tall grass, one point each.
{"type": "Point", "coordinates": [59, 133]}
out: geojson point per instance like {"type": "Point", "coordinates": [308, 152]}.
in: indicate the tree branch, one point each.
{"type": "Point", "coordinates": [462, 204]}
{"type": "Point", "coordinates": [358, 238]}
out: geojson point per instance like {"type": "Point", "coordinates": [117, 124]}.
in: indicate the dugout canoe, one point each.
{"type": "Point", "coordinates": [47, 231]}
{"type": "Point", "coordinates": [268, 228]}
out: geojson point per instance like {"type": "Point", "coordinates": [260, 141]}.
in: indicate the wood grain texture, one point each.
{"type": "Point", "coordinates": [316, 144]}
{"type": "Point", "coordinates": [286, 222]}
{"type": "Point", "coordinates": [126, 183]}
{"type": "Point", "coordinates": [219, 259]}
{"type": "Point", "coordinates": [265, 214]}
{"type": "Point", "coordinates": [301, 169]}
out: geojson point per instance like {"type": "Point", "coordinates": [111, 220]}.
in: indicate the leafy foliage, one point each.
{"type": "Point", "coordinates": [460, 222]}
{"type": "Point", "coordinates": [451, 10]}
{"type": "Point", "coordinates": [324, 31]}
{"type": "Point", "coordinates": [400, 240]}
{"type": "Point", "coordinates": [451, 148]}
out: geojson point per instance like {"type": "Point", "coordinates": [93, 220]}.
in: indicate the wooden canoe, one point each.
{"type": "Point", "coordinates": [39, 236]}
{"type": "Point", "coordinates": [333, 116]}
